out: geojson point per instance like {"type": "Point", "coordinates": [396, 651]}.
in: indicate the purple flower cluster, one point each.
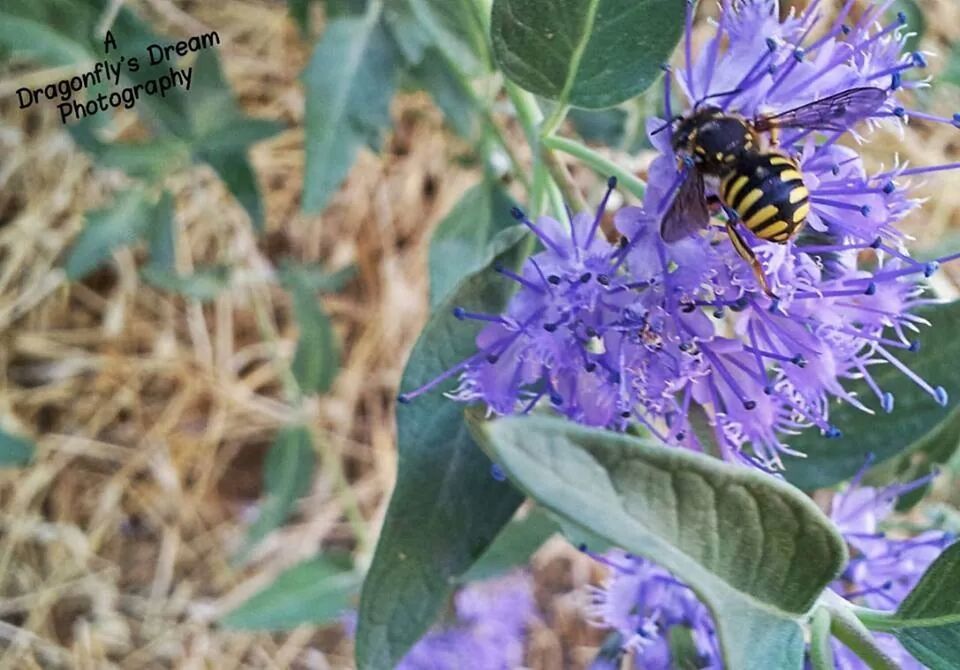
{"type": "Point", "coordinates": [882, 570]}
{"type": "Point", "coordinates": [639, 331]}
{"type": "Point", "coordinates": [489, 632]}
{"type": "Point", "coordinates": [642, 601]}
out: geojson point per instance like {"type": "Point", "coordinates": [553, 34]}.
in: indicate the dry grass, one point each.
{"type": "Point", "coordinates": [153, 413]}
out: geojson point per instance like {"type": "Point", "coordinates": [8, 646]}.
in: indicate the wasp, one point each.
{"type": "Point", "coordinates": [759, 186]}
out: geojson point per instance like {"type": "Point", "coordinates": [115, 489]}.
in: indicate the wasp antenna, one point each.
{"type": "Point", "coordinates": [733, 91]}
{"type": "Point", "coordinates": [667, 125]}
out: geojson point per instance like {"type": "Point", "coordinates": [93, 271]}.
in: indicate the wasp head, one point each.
{"type": "Point", "coordinates": [684, 133]}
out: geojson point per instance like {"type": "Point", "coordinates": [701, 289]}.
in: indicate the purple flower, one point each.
{"type": "Point", "coordinates": [642, 601]}
{"type": "Point", "coordinates": [642, 330]}
{"type": "Point", "coordinates": [882, 569]}
{"type": "Point", "coordinates": [491, 622]}
{"type": "Point", "coordinates": [845, 287]}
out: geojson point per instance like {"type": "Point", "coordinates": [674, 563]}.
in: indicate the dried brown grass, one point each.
{"type": "Point", "coordinates": [153, 413]}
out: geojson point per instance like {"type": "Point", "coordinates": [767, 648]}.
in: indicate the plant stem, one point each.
{"type": "Point", "coordinates": [563, 180]}
{"type": "Point", "coordinates": [553, 122]}
{"type": "Point", "coordinates": [850, 630]}
{"type": "Point", "coordinates": [268, 333]}
{"type": "Point", "coordinates": [821, 653]}
{"type": "Point", "coordinates": [530, 117]}
{"type": "Point", "coordinates": [466, 86]}
{"type": "Point", "coordinates": [528, 113]}
{"type": "Point", "coordinates": [497, 132]}
{"type": "Point", "coordinates": [599, 164]}
{"type": "Point", "coordinates": [331, 460]}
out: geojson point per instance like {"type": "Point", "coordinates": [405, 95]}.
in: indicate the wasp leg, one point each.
{"type": "Point", "coordinates": [746, 253]}
{"type": "Point", "coordinates": [715, 205]}
{"type": "Point", "coordinates": [774, 135]}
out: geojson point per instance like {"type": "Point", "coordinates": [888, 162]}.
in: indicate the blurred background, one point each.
{"type": "Point", "coordinates": [198, 378]}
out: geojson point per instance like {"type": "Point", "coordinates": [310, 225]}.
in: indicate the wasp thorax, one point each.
{"type": "Point", "coordinates": [714, 139]}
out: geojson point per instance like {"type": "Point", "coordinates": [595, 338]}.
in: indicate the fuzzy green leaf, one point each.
{"type": "Point", "coordinates": [518, 540]}
{"type": "Point", "coordinates": [350, 80]}
{"type": "Point", "coordinates": [124, 222]}
{"type": "Point", "coordinates": [316, 591]}
{"type": "Point", "coordinates": [446, 508]}
{"type": "Point", "coordinates": [315, 277]}
{"type": "Point", "coordinates": [915, 415]}
{"type": "Point", "coordinates": [204, 283]}
{"type": "Point", "coordinates": [451, 94]}
{"type": "Point", "coordinates": [317, 357]}
{"type": "Point", "coordinates": [287, 474]}
{"type": "Point", "coordinates": [453, 27]}
{"type": "Point", "coordinates": [927, 622]}
{"type": "Point", "coordinates": [756, 550]}
{"type": "Point", "coordinates": [53, 33]}
{"type": "Point", "coordinates": [589, 53]}
{"type": "Point", "coordinates": [15, 451]}
{"type": "Point", "coordinates": [462, 243]}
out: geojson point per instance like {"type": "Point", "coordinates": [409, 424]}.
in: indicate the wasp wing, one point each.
{"type": "Point", "coordinates": [836, 112]}
{"type": "Point", "coordinates": [688, 212]}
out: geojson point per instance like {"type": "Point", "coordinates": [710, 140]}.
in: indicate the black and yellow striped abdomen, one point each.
{"type": "Point", "coordinates": [766, 191]}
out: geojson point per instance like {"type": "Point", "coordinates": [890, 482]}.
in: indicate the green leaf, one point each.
{"type": "Point", "coordinates": [607, 126]}
{"type": "Point", "coordinates": [205, 120]}
{"type": "Point", "coordinates": [518, 540]}
{"type": "Point", "coordinates": [317, 357]}
{"type": "Point", "coordinates": [316, 592]}
{"type": "Point", "coordinates": [435, 75]}
{"type": "Point", "coordinates": [315, 277]}
{"type": "Point", "coordinates": [124, 222]}
{"type": "Point", "coordinates": [754, 549]}
{"type": "Point", "coordinates": [411, 39]}
{"type": "Point", "coordinates": [458, 30]}
{"type": "Point", "coordinates": [446, 508]}
{"type": "Point", "coordinates": [915, 414]}
{"type": "Point", "coordinates": [15, 451]}
{"type": "Point", "coordinates": [453, 27]}
{"type": "Point", "coordinates": [222, 134]}
{"type": "Point", "coordinates": [287, 474]}
{"type": "Point", "coordinates": [236, 135]}
{"type": "Point", "coordinates": [235, 171]}
{"type": "Point", "coordinates": [589, 53]}
{"type": "Point", "coordinates": [350, 80]}
{"type": "Point", "coordinates": [218, 123]}
{"type": "Point", "coordinates": [610, 654]}
{"type": "Point", "coordinates": [162, 235]}
{"type": "Point", "coordinates": [951, 73]}
{"type": "Point", "coordinates": [683, 648]}
{"type": "Point", "coordinates": [335, 8]}
{"type": "Point", "coordinates": [462, 243]}
{"type": "Point", "coordinates": [152, 160]}
{"type": "Point", "coordinates": [299, 11]}
{"type": "Point", "coordinates": [927, 622]}
{"type": "Point", "coordinates": [203, 284]}
{"type": "Point", "coordinates": [919, 460]}
{"type": "Point", "coordinates": [40, 42]}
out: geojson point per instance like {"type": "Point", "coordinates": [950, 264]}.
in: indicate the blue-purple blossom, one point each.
{"type": "Point", "coordinates": [642, 601]}
{"type": "Point", "coordinates": [489, 632]}
{"type": "Point", "coordinates": [882, 569]}
{"type": "Point", "coordinates": [639, 331]}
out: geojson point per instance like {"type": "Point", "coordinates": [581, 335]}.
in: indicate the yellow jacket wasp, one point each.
{"type": "Point", "coordinates": [761, 187]}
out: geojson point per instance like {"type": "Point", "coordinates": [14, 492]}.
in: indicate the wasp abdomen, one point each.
{"type": "Point", "coordinates": [766, 190]}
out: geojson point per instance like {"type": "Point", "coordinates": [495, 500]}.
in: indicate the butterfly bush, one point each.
{"type": "Point", "coordinates": [642, 601]}
{"type": "Point", "coordinates": [639, 331]}
{"type": "Point", "coordinates": [488, 632]}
